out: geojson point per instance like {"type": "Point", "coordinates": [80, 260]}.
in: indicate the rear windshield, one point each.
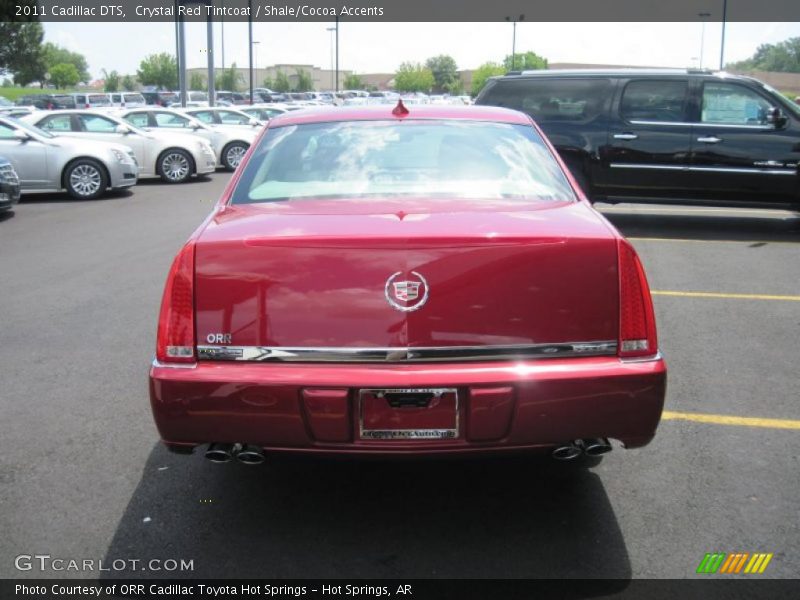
{"type": "Point", "coordinates": [435, 159]}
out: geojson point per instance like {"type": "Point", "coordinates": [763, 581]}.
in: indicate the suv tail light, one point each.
{"type": "Point", "coordinates": [637, 322]}
{"type": "Point", "coordinates": [176, 338]}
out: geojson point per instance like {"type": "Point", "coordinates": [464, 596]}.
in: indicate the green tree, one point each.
{"type": "Point", "coordinates": [413, 77]}
{"type": "Point", "coordinates": [112, 81]}
{"type": "Point", "coordinates": [353, 82]}
{"type": "Point", "coordinates": [128, 83]}
{"type": "Point", "coordinates": [56, 55]}
{"type": "Point", "coordinates": [482, 74]}
{"type": "Point", "coordinates": [268, 83]}
{"type": "Point", "coordinates": [282, 83]}
{"type": "Point", "coordinates": [445, 74]}
{"type": "Point", "coordinates": [64, 75]}
{"type": "Point", "coordinates": [228, 79]}
{"type": "Point", "coordinates": [21, 50]}
{"type": "Point", "coordinates": [160, 70]}
{"type": "Point", "coordinates": [196, 82]}
{"type": "Point", "coordinates": [304, 81]}
{"type": "Point", "coordinates": [783, 56]}
{"type": "Point", "coordinates": [527, 61]}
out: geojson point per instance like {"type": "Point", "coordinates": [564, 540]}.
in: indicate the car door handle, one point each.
{"type": "Point", "coordinates": [709, 139]}
{"type": "Point", "coordinates": [625, 136]}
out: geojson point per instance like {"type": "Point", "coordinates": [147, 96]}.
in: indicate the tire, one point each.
{"type": "Point", "coordinates": [175, 165]}
{"type": "Point", "coordinates": [85, 179]}
{"type": "Point", "coordinates": [232, 155]}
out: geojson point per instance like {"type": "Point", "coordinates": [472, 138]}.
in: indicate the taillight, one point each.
{"type": "Point", "coordinates": [637, 321]}
{"type": "Point", "coordinates": [175, 340]}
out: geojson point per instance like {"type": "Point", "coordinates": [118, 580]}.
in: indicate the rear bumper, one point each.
{"type": "Point", "coordinates": [503, 406]}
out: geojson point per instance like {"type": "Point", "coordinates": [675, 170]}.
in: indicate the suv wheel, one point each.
{"type": "Point", "coordinates": [175, 166]}
{"type": "Point", "coordinates": [233, 154]}
{"type": "Point", "coordinates": [85, 179]}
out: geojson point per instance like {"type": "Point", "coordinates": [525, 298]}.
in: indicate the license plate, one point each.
{"type": "Point", "coordinates": [408, 414]}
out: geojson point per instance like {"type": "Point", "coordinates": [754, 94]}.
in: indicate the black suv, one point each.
{"type": "Point", "coordinates": [673, 136]}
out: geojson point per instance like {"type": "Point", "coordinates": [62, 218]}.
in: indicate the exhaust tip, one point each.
{"type": "Point", "coordinates": [567, 452]}
{"type": "Point", "coordinates": [251, 455]}
{"type": "Point", "coordinates": [220, 453]}
{"type": "Point", "coordinates": [597, 446]}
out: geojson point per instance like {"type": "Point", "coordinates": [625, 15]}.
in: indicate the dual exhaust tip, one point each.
{"type": "Point", "coordinates": [589, 447]}
{"type": "Point", "coordinates": [244, 453]}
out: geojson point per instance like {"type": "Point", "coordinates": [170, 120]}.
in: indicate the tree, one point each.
{"type": "Point", "coordinates": [128, 83]}
{"type": "Point", "coordinates": [112, 81]}
{"type": "Point", "coordinates": [64, 75]}
{"type": "Point", "coordinates": [445, 74]}
{"type": "Point", "coordinates": [196, 82]}
{"type": "Point", "coordinates": [160, 70]}
{"type": "Point", "coordinates": [21, 51]}
{"type": "Point", "coordinates": [482, 74]}
{"type": "Point", "coordinates": [783, 56]}
{"type": "Point", "coordinates": [282, 83]}
{"type": "Point", "coordinates": [56, 55]}
{"type": "Point", "coordinates": [21, 47]}
{"type": "Point", "coordinates": [269, 83]}
{"type": "Point", "coordinates": [527, 61]}
{"type": "Point", "coordinates": [413, 77]}
{"type": "Point", "coordinates": [228, 79]}
{"type": "Point", "coordinates": [353, 82]}
{"type": "Point", "coordinates": [304, 81]}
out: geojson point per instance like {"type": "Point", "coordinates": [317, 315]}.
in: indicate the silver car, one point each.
{"type": "Point", "coordinates": [46, 163]}
{"type": "Point", "coordinates": [229, 142]}
{"type": "Point", "coordinates": [221, 115]}
{"type": "Point", "coordinates": [172, 156]}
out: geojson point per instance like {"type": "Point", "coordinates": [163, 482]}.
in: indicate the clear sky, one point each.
{"type": "Point", "coordinates": [381, 47]}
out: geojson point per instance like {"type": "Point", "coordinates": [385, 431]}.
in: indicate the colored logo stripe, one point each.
{"type": "Point", "coordinates": [734, 563]}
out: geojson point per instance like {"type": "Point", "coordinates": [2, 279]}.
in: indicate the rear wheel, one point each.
{"type": "Point", "coordinates": [233, 154]}
{"type": "Point", "coordinates": [175, 165]}
{"type": "Point", "coordinates": [85, 179]}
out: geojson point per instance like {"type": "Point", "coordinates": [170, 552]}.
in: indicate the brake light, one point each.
{"type": "Point", "coordinates": [637, 322]}
{"type": "Point", "coordinates": [176, 338]}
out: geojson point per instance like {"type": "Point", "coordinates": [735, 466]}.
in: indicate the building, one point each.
{"type": "Point", "coordinates": [322, 79]}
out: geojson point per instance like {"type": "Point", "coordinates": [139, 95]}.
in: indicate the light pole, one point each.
{"type": "Point", "coordinates": [514, 39]}
{"type": "Point", "coordinates": [722, 44]}
{"type": "Point", "coordinates": [703, 16]}
{"type": "Point", "coordinates": [331, 29]}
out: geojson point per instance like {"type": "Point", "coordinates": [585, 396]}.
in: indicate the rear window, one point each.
{"type": "Point", "coordinates": [435, 159]}
{"type": "Point", "coordinates": [551, 99]}
{"type": "Point", "coordinates": [134, 98]}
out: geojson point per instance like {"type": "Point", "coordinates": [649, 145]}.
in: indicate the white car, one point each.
{"type": "Point", "coordinates": [223, 115]}
{"type": "Point", "coordinates": [230, 142]}
{"type": "Point", "coordinates": [46, 163]}
{"type": "Point", "coordinates": [126, 99]}
{"type": "Point", "coordinates": [174, 157]}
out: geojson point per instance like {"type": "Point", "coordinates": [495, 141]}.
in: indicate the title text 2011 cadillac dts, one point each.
{"type": "Point", "coordinates": [394, 281]}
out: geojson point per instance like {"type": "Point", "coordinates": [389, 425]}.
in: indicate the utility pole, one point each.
{"type": "Point", "coordinates": [514, 40]}
{"type": "Point", "coordinates": [722, 45]}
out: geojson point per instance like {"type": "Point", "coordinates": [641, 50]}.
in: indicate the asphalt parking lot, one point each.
{"type": "Point", "coordinates": [82, 474]}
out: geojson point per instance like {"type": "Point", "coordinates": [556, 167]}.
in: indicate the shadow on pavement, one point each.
{"type": "Point", "coordinates": [293, 517]}
{"type": "Point", "coordinates": [64, 198]}
{"type": "Point", "coordinates": [705, 226]}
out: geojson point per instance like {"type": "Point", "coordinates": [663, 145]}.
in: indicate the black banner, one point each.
{"type": "Point", "coordinates": [415, 589]}
{"type": "Point", "coordinates": [401, 10]}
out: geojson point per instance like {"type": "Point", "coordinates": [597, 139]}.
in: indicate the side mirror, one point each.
{"type": "Point", "coordinates": [775, 116]}
{"type": "Point", "coordinates": [22, 136]}
{"type": "Point", "coordinates": [124, 129]}
{"type": "Point", "coordinates": [254, 122]}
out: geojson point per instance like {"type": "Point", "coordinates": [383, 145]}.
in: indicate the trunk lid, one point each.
{"type": "Point", "coordinates": [318, 273]}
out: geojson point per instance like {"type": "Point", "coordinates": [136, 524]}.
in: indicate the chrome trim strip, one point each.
{"type": "Point", "coordinates": [706, 125]}
{"type": "Point", "coordinates": [755, 171]}
{"type": "Point", "coordinates": [161, 365]}
{"type": "Point", "coordinates": [658, 356]}
{"type": "Point", "coordinates": [407, 434]}
{"type": "Point", "coordinates": [405, 355]}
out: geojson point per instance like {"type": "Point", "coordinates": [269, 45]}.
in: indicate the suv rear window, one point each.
{"type": "Point", "coordinates": [654, 100]}
{"type": "Point", "coordinates": [432, 159]}
{"type": "Point", "coordinates": [551, 99]}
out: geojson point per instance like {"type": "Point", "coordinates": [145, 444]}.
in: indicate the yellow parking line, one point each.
{"type": "Point", "coordinates": [669, 415]}
{"type": "Point", "coordinates": [722, 295]}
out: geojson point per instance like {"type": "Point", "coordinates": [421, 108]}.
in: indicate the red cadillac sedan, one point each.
{"type": "Point", "coordinates": [393, 281]}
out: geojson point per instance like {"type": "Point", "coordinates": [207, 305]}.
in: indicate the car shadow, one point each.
{"type": "Point", "coordinates": [157, 181]}
{"type": "Point", "coordinates": [705, 226]}
{"type": "Point", "coordinates": [65, 198]}
{"type": "Point", "coordinates": [5, 215]}
{"type": "Point", "coordinates": [297, 517]}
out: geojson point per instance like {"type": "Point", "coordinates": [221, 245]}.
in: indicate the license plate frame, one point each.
{"type": "Point", "coordinates": [449, 431]}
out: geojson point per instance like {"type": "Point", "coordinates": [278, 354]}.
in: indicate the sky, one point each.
{"type": "Point", "coordinates": [381, 47]}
